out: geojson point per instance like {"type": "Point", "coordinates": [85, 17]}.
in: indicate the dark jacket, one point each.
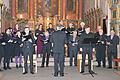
{"type": "Point", "coordinates": [9, 47]}
{"type": "Point", "coordinates": [27, 45]}
{"type": "Point", "coordinates": [113, 43]}
{"type": "Point", "coordinates": [81, 30]}
{"type": "Point", "coordinates": [50, 30]}
{"type": "Point", "coordinates": [100, 47]}
{"type": "Point", "coordinates": [17, 47]}
{"type": "Point", "coordinates": [1, 47]}
{"type": "Point", "coordinates": [84, 43]}
{"type": "Point", "coordinates": [58, 39]}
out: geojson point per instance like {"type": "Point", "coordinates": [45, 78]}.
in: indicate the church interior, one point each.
{"type": "Point", "coordinates": [94, 13]}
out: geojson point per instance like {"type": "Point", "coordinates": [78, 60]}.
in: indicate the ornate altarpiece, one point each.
{"type": "Point", "coordinates": [47, 11]}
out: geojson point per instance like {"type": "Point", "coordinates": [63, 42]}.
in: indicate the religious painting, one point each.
{"type": "Point", "coordinates": [71, 5]}
{"type": "Point", "coordinates": [22, 6]}
{"type": "Point", "coordinates": [47, 7]}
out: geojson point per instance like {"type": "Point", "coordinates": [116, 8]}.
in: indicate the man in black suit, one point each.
{"type": "Point", "coordinates": [112, 42]}
{"type": "Point", "coordinates": [101, 48]}
{"type": "Point", "coordinates": [58, 40]}
{"type": "Point", "coordinates": [28, 49]}
{"type": "Point", "coordinates": [86, 48]}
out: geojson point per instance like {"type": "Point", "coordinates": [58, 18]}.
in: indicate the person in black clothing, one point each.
{"type": "Point", "coordinates": [12, 47]}
{"type": "Point", "coordinates": [101, 48]}
{"type": "Point", "coordinates": [97, 32]}
{"type": "Point", "coordinates": [18, 49]}
{"type": "Point", "coordinates": [50, 29]}
{"type": "Point", "coordinates": [112, 42]}
{"type": "Point", "coordinates": [2, 44]}
{"type": "Point", "coordinates": [86, 48]}
{"type": "Point", "coordinates": [73, 48]}
{"type": "Point", "coordinates": [46, 49]}
{"type": "Point", "coordinates": [8, 49]}
{"type": "Point", "coordinates": [58, 40]}
{"type": "Point", "coordinates": [28, 49]}
{"type": "Point", "coordinates": [70, 30]}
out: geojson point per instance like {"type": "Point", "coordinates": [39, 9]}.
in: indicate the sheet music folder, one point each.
{"type": "Point", "coordinates": [89, 40]}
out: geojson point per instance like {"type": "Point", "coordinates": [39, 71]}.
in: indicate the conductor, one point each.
{"type": "Point", "coordinates": [58, 39]}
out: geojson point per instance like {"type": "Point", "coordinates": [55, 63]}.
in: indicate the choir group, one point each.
{"type": "Point", "coordinates": [15, 43]}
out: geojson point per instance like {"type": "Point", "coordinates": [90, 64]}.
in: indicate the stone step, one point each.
{"type": "Point", "coordinates": [51, 61]}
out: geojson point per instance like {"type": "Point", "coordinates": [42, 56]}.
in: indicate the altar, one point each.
{"type": "Point", "coordinates": [46, 11]}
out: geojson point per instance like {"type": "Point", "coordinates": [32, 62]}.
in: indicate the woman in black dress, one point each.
{"type": "Point", "coordinates": [8, 49]}
{"type": "Point", "coordinates": [18, 49]}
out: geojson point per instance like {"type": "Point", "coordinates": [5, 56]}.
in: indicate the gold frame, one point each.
{"type": "Point", "coordinates": [73, 11]}
{"type": "Point", "coordinates": [23, 12]}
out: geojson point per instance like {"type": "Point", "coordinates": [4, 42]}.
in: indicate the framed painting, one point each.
{"type": "Point", "coordinates": [71, 5]}
{"type": "Point", "coordinates": [22, 6]}
{"type": "Point", "coordinates": [47, 7]}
